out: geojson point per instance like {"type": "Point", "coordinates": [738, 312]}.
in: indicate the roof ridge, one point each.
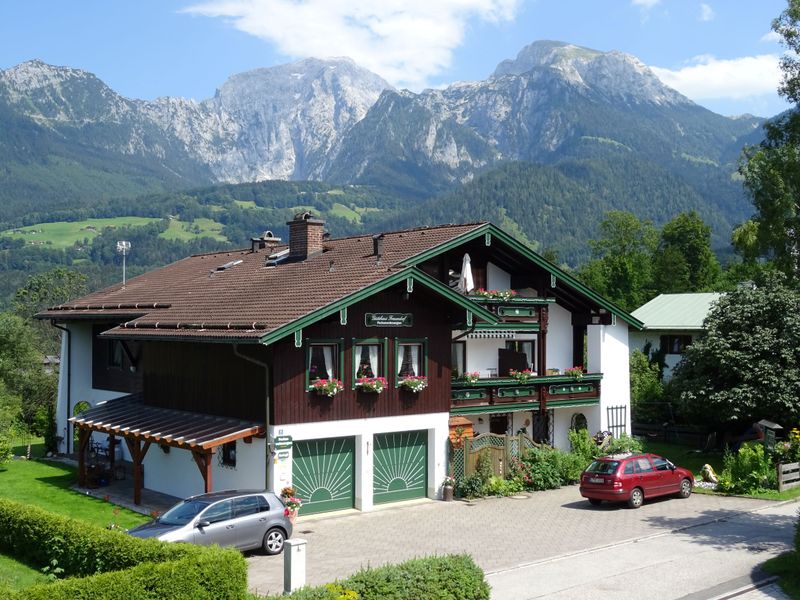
{"type": "Point", "coordinates": [411, 230]}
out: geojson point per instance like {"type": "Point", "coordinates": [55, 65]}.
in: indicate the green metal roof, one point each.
{"type": "Point", "coordinates": [676, 311]}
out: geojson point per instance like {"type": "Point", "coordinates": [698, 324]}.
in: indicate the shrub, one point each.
{"type": "Point", "coordinates": [483, 466]}
{"type": "Point", "coordinates": [470, 487]}
{"type": "Point", "coordinates": [623, 444]}
{"type": "Point", "coordinates": [498, 486]}
{"type": "Point", "coordinates": [538, 469]}
{"type": "Point", "coordinates": [571, 466]}
{"type": "Point", "coordinates": [746, 471]}
{"type": "Point", "coordinates": [583, 445]}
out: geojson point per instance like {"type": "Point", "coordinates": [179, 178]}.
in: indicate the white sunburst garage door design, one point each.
{"type": "Point", "coordinates": [323, 474]}
{"type": "Point", "coordinates": [399, 466]}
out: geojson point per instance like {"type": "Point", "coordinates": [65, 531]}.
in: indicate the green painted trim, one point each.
{"type": "Point", "coordinates": [494, 408]}
{"type": "Point", "coordinates": [343, 316]}
{"type": "Point", "coordinates": [384, 357]}
{"type": "Point", "coordinates": [570, 403]}
{"type": "Point", "coordinates": [509, 381]}
{"type": "Point", "coordinates": [533, 257]}
{"type": "Point", "coordinates": [298, 338]}
{"type": "Point", "coordinates": [325, 341]}
{"type": "Point", "coordinates": [517, 300]}
{"type": "Point", "coordinates": [421, 278]}
{"type": "Point", "coordinates": [423, 362]}
{"type": "Point", "coordinates": [521, 327]}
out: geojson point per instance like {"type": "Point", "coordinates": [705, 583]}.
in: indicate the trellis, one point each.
{"type": "Point", "coordinates": [501, 448]}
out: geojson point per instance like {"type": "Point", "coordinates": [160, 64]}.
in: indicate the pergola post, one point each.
{"type": "Point", "coordinates": [83, 444]}
{"type": "Point", "coordinates": [112, 455]}
{"type": "Point", "coordinates": [137, 451]}
{"type": "Point", "coordinates": [203, 460]}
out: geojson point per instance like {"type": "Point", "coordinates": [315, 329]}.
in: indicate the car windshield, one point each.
{"type": "Point", "coordinates": [182, 513]}
{"type": "Point", "coordinates": [606, 467]}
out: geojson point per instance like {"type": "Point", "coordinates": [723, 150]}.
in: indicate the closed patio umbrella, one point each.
{"type": "Point", "coordinates": [466, 283]}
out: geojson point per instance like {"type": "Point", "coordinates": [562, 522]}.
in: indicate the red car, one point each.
{"type": "Point", "coordinates": [632, 478]}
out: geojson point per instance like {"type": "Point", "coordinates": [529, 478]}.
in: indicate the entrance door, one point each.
{"type": "Point", "coordinates": [400, 466]}
{"type": "Point", "coordinates": [323, 474]}
{"type": "Point", "coordinates": [498, 424]}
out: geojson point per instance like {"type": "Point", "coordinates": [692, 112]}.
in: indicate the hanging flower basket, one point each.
{"type": "Point", "coordinates": [371, 385]}
{"type": "Point", "coordinates": [413, 384]}
{"type": "Point", "coordinates": [327, 387]}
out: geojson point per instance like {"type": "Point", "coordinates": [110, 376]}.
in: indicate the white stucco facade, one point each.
{"type": "Point", "coordinates": [364, 430]}
{"type": "Point", "coordinates": [607, 349]}
{"type": "Point", "coordinates": [559, 338]}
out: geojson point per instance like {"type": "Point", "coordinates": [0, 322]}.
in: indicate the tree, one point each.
{"type": "Point", "coordinates": [622, 269]}
{"type": "Point", "coordinates": [771, 170]}
{"type": "Point", "coordinates": [684, 261]}
{"type": "Point", "coordinates": [747, 366]}
{"type": "Point", "coordinates": [646, 386]}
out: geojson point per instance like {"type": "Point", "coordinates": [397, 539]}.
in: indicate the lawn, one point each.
{"type": "Point", "coordinates": [63, 234]}
{"type": "Point", "coordinates": [685, 456]}
{"type": "Point", "coordinates": [787, 566]}
{"type": "Point", "coordinates": [189, 230]}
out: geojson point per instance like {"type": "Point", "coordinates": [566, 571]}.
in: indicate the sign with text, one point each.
{"type": "Point", "coordinates": [282, 442]}
{"type": "Point", "coordinates": [388, 319]}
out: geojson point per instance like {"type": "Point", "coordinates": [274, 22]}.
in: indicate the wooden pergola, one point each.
{"type": "Point", "coordinates": [140, 425]}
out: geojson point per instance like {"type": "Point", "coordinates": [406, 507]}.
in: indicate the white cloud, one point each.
{"type": "Point", "coordinates": [645, 3]}
{"type": "Point", "coordinates": [404, 41]}
{"type": "Point", "coordinates": [709, 78]}
{"type": "Point", "coordinates": [770, 37]}
{"type": "Point", "coordinates": [706, 12]}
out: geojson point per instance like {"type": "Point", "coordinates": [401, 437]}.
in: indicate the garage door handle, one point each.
{"type": "Point", "coordinates": [229, 527]}
{"type": "Point", "coordinates": [261, 520]}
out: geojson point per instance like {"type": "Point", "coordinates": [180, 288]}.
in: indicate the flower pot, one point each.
{"type": "Point", "coordinates": [292, 516]}
{"type": "Point", "coordinates": [447, 493]}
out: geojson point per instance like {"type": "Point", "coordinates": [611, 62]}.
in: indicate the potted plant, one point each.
{"type": "Point", "coordinates": [292, 504]}
{"type": "Point", "coordinates": [574, 372]}
{"type": "Point", "coordinates": [470, 377]}
{"type": "Point", "coordinates": [327, 387]}
{"type": "Point", "coordinates": [414, 383]}
{"type": "Point", "coordinates": [372, 385]}
{"type": "Point", "coordinates": [520, 376]}
{"type": "Point", "coordinates": [448, 485]}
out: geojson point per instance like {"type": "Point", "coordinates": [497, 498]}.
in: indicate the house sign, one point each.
{"type": "Point", "coordinates": [283, 442]}
{"type": "Point", "coordinates": [389, 319]}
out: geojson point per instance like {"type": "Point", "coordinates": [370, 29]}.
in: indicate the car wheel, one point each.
{"type": "Point", "coordinates": [636, 499]}
{"type": "Point", "coordinates": [686, 489]}
{"type": "Point", "coordinates": [594, 501]}
{"type": "Point", "coordinates": [273, 541]}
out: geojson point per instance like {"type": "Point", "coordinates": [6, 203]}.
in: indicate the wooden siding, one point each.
{"type": "Point", "coordinates": [433, 319]}
{"type": "Point", "coordinates": [205, 378]}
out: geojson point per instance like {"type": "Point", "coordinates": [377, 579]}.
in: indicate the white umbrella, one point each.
{"type": "Point", "coordinates": [466, 283]}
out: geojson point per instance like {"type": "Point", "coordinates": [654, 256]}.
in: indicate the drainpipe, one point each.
{"type": "Point", "coordinates": [266, 393]}
{"type": "Point", "coordinates": [69, 380]}
{"type": "Point", "coordinates": [464, 334]}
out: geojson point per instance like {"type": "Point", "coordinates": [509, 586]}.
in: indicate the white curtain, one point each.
{"type": "Point", "coordinates": [415, 359]}
{"type": "Point", "coordinates": [408, 360]}
{"type": "Point", "coordinates": [327, 356]}
{"type": "Point", "coordinates": [373, 360]}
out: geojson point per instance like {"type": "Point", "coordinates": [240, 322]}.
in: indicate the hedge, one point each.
{"type": "Point", "coordinates": [453, 577]}
{"type": "Point", "coordinates": [109, 561]}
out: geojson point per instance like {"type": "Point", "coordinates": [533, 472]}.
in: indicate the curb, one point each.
{"type": "Point", "coordinates": [746, 588]}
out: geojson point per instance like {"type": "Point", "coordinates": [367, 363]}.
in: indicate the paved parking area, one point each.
{"type": "Point", "coordinates": [500, 533]}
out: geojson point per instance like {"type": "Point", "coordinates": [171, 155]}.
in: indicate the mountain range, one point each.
{"type": "Point", "coordinates": [574, 131]}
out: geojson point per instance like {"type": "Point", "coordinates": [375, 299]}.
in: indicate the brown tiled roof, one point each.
{"type": "Point", "coordinates": [190, 299]}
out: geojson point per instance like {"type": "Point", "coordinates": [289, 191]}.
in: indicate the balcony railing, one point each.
{"type": "Point", "coordinates": [517, 309]}
{"type": "Point", "coordinates": [552, 390]}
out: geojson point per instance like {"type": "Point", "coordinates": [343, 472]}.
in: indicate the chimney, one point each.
{"type": "Point", "coordinates": [377, 245]}
{"type": "Point", "coordinates": [305, 236]}
{"type": "Point", "coordinates": [267, 240]}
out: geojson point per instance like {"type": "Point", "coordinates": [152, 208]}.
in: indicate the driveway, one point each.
{"type": "Point", "coordinates": [499, 533]}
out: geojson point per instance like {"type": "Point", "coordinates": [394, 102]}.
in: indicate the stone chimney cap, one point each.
{"type": "Point", "coordinates": [306, 216]}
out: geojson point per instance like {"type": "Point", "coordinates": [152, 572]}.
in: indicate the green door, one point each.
{"type": "Point", "coordinates": [323, 474]}
{"type": "Point", "coordinates": [400, 466]}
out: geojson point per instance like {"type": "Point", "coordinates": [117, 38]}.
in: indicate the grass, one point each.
{"type": "Point", "coordinates": [245, 203]}
{"type": "Point", "coordinates": [787, 567]}
{"type": "Point", "coordinates": [185, 231]}
{"type": "Point", "coordinates": [47, 484]}
{"type": "Point", "coordinates": [17, 575]}
{"type": "Point", "coordinates": [63, 234]}
{"type": "Point", "coordinates": [685, 456]}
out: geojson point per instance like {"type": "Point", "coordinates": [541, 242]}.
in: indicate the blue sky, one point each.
{"type": "Point", "coordinates": [716, 52]}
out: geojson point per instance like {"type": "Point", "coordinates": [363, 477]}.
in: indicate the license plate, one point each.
{"type": "Point", "coordinates": [596, 480]}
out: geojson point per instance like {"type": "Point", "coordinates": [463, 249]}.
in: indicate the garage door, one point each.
{"type": "Point", "coordinates": [323, 473]}
{"type": "Point", "coordinates": [400, 466]}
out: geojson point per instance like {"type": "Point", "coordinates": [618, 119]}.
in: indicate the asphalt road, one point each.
{"type": "Point", "coordinates": [703, 561]}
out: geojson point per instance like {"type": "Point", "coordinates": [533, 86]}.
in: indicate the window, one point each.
{"type": "Point", "coordinates": [248, 505]}
{"type": "Point", "coordinates": [221, 511]}
{"type": "Point", "coordinates": [675, 344]}
{"type": "Point", "coordinates": [458, 358]}
{"type": "Point", "coordinates": [525, 347]}
{"type": "Point", "coordinates": [115, 354]}
{"type": "Point", "coordinates": [629, 468]}
{"type": "Point", "coordinates": [661, 464]}
{"type": "Point", "coordinates": [369, 358]}
{"type": "Point", "coordinates": [643, 465]}
{"type": "Point", "coordinates": [229, 454]}
{"type": "Point", "coordinates": [410, 358]}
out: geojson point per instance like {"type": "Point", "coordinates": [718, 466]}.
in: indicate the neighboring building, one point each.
{"type": "Point", "coordinates": [205, 367]}
{"type": "Point", "coordinates": [671, 324]}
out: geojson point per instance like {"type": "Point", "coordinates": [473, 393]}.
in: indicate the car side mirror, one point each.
{"type": "Point", "coordinates": [201, 524]}
{"type": "Point", "coordinates": [672, 467]}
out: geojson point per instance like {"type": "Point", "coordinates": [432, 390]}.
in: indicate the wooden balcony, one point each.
{"type": "Point", "coordinates": [516, 310]}
{"type": "Point", "coordinates": [492, 394]}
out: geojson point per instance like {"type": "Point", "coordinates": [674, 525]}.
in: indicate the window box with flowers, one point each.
{"type": "Point", "coordinates": [495, 294]}
{"type": "Point", "coordinates": [470, 377]}
{"type": "Point", "coordinates": [413, 383]}
{"type": "Point", "coordinates": [521, 376]}
{"type": "Point", "coordinates": [371, 385]}
{"type": "Point", "coordinates": [574, 372]}
{"type": "Point", "coordinates": [327, 387]}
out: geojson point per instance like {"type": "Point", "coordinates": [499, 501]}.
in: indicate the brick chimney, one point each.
{"type": "Point", "coordinates": [305, 236]}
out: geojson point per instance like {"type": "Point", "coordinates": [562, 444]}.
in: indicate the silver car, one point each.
{"type": "Point", "coordinates": [240, 519]}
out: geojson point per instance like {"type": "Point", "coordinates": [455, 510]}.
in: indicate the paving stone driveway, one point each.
{"type": "Point", "coordinates": [499, 533]}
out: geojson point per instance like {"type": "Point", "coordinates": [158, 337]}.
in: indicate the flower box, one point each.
{"type": "Point", "coordinates": [371, 385]}
{"type": "Point", "coordinates": [413, 384]}
{"type": "Point", "coordinates": [327, 387]}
